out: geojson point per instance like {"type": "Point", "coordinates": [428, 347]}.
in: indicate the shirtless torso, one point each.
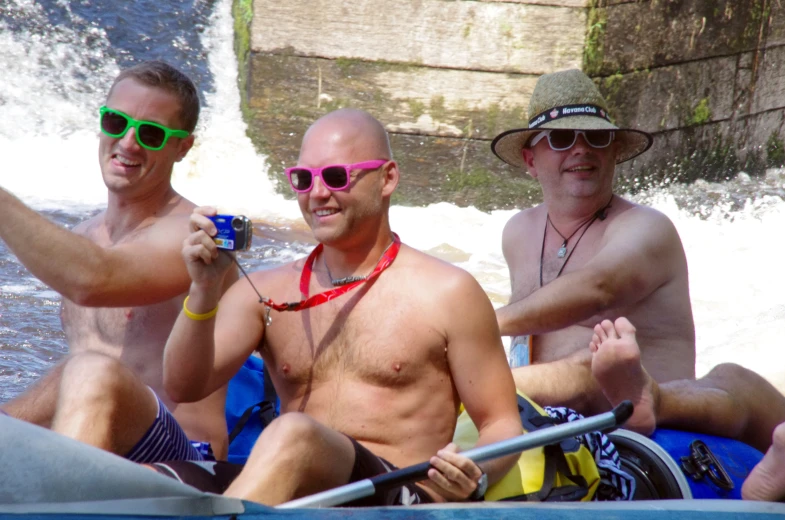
{"type": "Point", "coordinates": [137, 334]}
{"type": "Point", "coordinates": [387, 363]}
{"type": "Point", "coordinates": [638, 243]}
{"type": "Point", "coordinates": [384, 372]}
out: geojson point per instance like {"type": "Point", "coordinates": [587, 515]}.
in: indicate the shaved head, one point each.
{"type": "Point", "coordinates": [347, 132]}
{"type": "Point", "coordinates": [358, 213]}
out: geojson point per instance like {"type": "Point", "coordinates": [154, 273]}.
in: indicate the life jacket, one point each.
{"type": "Point", "coordinates": [555, 473]}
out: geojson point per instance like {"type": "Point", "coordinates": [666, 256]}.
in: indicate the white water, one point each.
{"type": "Point", "coordinates": [48, 141]}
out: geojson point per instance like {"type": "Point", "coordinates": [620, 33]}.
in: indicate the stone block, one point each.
{"type": "Point", "coordinates": [655, 33]}
{"type": "Point", "coordinates": [672, 97]}
{"type": "Point", "coordinates": [769, 92]}
{"type": "Point", "coordinates": [492, 36]}
{"type": "Point", "coordinates": [410, 99]}
{"type": "Point", "coordinates": [558, 3]}
{"type": "Point", "coordinates": [452, 164]}
{"type": "Point", "coordinates": [776, 29]}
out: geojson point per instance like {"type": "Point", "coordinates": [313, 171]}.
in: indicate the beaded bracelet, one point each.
{"type": "Point", "coordinates": [198, 317]}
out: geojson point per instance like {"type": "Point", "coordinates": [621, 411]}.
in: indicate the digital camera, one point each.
{"type": "Point", "coordinates": [234, 232]}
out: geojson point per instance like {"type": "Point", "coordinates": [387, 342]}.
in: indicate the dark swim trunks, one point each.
{"type": "Point", "coordinates": [215, 477]}
{"type": "Point", "coordinates": [367, 465]}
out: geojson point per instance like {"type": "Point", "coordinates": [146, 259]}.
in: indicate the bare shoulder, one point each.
{"type": "Point", "coordinates": [642, 220]}
{"type": "Point", "coordinates": [170, 224]}
{"type": "Point", "coordinates": [86, 226]}
{"type": "Point", "coordinates": [279, 282]}
{"type": "Point", "coordinates": [431, 276]}
{"type": "Point", "coordinates": [522, 222]}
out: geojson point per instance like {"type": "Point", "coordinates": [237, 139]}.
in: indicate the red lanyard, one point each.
{"type": "Point", "coordinates": [318, 299]}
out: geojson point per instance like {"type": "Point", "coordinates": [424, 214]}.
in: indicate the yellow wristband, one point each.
{"type": "Point", "coordinates": [198, 317]}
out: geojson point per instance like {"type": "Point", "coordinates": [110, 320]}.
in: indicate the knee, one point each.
{"type": "Point", "coordinates": [730, 376]}
{"type": "Point", "coordinates": [293, 429]}
{"type": "Point", "coordinates": [728, 370]}
{"type": "Point", "coordinates": [288, 438]}
{"type": "Point", "coordinates": [91, 371]}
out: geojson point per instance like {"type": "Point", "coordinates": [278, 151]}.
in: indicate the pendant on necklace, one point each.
{"type": "Point", "coordinates": [562, 250]}
{"type": "Point", "coordinates": [268, 319]}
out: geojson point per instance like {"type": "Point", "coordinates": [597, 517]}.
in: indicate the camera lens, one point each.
{"type": "Point", "coordinates": [237, 224]}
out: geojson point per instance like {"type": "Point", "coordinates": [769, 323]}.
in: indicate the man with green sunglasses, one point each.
{"type": "Point", "coordinates": [123, 280]}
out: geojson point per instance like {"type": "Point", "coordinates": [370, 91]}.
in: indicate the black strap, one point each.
{"type": "Point", "coordinates": [266, 408]}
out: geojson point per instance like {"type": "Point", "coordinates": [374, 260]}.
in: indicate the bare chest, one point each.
{"type": "Point", "coordinates": [119, 327]}
{"type": "Point", "coordinates": [388, 344]}
{"type": "Point", "coordinates": [543, 258]}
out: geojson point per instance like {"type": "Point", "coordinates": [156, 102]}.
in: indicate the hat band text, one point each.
{"type": "Point", "coordinates": [566, 111]}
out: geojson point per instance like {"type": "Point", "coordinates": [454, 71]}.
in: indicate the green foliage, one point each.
{"type": "Point", "coordinates": [701, 113]}
{"type": "Point", "coordinates": [775, 152]}
{"type": "Point", "coordinates": [492, 117]}
{"type": "Point", "coordinates": [593, 53]}
{"type": "Point", "coordinates": [437, 108]}
{"type": "Point", "coordinates": [488, 191]}
{"type": "Point", "coordinates": [417, 107]}
{"type": "Point", "coordinates": [242, 12]}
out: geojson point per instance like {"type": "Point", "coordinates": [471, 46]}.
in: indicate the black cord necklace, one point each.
{"type": "Point", "coordinates": [563, 249]}
{"type": "Point", "coordinates": [599, 214]}
{"type": "Point", "coordinates": [350, 279]}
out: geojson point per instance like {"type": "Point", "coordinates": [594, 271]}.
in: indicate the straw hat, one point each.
{"type": "Point", "coordinates": [567, 100]}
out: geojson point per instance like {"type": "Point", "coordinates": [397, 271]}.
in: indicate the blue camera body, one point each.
{"type": "Point", "coordinates": [234, 232]}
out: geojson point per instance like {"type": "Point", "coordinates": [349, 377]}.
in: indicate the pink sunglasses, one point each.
{"type": "Point", "coordinates": [335, 177]}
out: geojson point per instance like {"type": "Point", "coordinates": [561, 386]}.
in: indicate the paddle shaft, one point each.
{"type": "Point", "coordinates": [527, 441]}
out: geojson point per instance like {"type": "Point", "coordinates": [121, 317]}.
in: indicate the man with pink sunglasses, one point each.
{"type": "Point", "coordinates": [367, 339]}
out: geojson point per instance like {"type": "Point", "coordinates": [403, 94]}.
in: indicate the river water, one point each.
{"type": "Point", "coordinates": [58, 58]}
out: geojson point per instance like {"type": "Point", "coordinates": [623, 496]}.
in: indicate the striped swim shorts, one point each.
{"type": "Point", "coordinates": [166, 440]}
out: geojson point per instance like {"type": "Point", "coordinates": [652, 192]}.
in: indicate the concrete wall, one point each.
{"type": "Point", "coordinates": [446, 76]}
{"type": "Point", "coordinates": [705, 76]}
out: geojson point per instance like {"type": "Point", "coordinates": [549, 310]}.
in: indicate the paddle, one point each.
{"type": "Point", "coordinates": [527, 441]}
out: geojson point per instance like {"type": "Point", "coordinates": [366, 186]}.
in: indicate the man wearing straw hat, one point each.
{"type": "Point", "coordinates": [586, 264]}
{"type": "Point", "coordinates": [585, 254]}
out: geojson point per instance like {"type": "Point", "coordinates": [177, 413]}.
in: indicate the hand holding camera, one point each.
{"type": "Point", "coordinates": [212, 233]}
{"type": "Point", "coordinates": [234, 232]}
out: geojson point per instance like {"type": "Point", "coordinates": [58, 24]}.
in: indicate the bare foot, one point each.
{"type": "Point", "coordinates": [767, 479]}
{"type": "Point", "coordinates": [616, 365]}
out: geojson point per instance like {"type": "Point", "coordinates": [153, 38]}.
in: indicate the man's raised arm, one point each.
{"type": "Point", "coordinates": [213, 335]}
{"type": "Point", "coordinates": [127, 274]}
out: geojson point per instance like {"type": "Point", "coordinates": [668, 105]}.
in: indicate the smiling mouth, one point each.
{"type": "Point", "coordinates": [579, 169]}
{"type": "Point", "coordinates": [325, 212]}
{"type": "Point", "coordinates": [126, 162]}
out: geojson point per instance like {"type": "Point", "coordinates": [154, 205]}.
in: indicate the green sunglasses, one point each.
{"type": "Point", "coordinates": [148, 134]}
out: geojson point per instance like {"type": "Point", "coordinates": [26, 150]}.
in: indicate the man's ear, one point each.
{"type": "Point", "coordinates": [390, 178]}
{"type": "Point", "coordinates": [185, 145]}
{"type": "Point", "coordinates": [528, 158]}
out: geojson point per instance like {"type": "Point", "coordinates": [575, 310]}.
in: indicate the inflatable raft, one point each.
{"type": "Point", "coordinates": [44, 475]}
